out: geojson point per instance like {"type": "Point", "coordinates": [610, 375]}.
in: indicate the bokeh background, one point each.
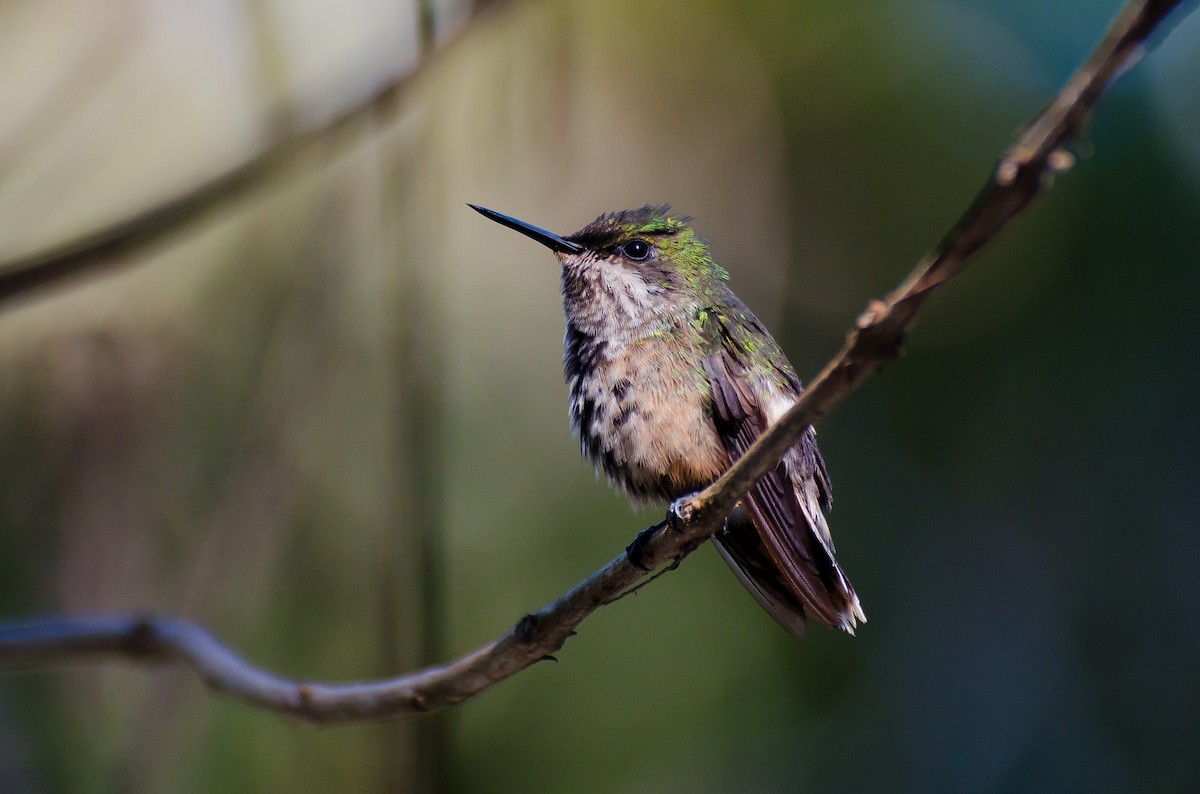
{"type": "Point", "coordinates": [328, 418]}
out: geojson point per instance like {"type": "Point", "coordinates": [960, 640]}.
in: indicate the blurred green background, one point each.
{"type": "Point", "coordinates": [329, 420]}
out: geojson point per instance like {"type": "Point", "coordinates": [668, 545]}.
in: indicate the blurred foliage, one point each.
{"type": "Point", "coordinates": [331, 423]}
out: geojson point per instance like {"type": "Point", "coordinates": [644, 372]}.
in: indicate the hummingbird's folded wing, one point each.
{"type": "Point", "coordinates": [782, 553]}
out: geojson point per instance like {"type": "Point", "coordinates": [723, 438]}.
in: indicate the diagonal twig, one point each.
{"type": "Point", "coordinates": [1020, 176]}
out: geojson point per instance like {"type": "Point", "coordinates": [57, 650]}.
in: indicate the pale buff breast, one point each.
{"type": "Point", "coordinates": [643, 417]}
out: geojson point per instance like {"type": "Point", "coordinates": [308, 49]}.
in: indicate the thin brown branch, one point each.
{"type": "Point", "coordinates": [879, 333]}
{"type": "Point", "coordinates": [1021, 175]}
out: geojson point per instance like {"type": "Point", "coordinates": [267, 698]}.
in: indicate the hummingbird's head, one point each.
{"type": "Point", "coordinates": [629, 268]}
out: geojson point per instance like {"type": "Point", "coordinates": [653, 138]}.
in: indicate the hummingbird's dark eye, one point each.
{"type": "Point", "coordinates": [637, 250]}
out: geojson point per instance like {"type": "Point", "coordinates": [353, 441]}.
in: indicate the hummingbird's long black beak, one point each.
{"type": "Point", "coordinates": [548, 239]}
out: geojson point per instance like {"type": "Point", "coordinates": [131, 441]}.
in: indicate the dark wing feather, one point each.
{"type": "Point", "coordinates": [779, 546]}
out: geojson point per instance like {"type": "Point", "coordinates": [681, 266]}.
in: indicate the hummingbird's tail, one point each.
{"type": "Point", "coordinates": [826, 597]}
{"type": "Point", "coordinates": [740, 547]}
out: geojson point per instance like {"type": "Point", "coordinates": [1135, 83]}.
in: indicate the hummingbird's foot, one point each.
{"type": "Point", "coordinates": [679, 514]}
{"type": "Point", "coordinates": [636, 552]}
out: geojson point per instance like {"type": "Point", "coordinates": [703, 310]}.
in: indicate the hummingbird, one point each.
{"type": "Point", "coordinates": [671, 378]}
